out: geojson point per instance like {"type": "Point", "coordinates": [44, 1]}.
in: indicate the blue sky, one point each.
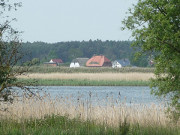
{"type": "Point", "coordinates": [72, 20]}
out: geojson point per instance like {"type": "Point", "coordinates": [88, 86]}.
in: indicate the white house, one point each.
{"type": "Point", "coordinates": [121, 63]}
{"type": "Point", "coordinates": [78, 62]}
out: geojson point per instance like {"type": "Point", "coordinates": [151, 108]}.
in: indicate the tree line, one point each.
{"type": "Point", "coordinates": [40, 52]}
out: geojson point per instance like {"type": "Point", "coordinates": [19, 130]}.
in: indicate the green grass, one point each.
{"type": "Point", "coordinates": [76, 82]}
{"type": "Point", "coordinates": [45, 69]}
{"type": "Point", "coordinates": [62, 125]}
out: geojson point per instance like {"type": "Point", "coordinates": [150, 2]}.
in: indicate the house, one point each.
{"type": "Point", "coordinates": [99, 61]}
{"type": "Point", "coordinates": [121, 63]}
{"type": "Point", "coordinates": [57, 61]}
{"type": "Point", "coordinates": [78, 62]}
{"type": "Point", "coordinates": [53, 62]}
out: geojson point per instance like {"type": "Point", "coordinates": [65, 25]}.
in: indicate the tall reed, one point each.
{"type": "Point", "coordinates": [108, 111]}
{"type": "Point", "coordinates": [132, 76]}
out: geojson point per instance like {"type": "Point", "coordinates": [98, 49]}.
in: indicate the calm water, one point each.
{"type": "Point", "coordinates": [127, 94]}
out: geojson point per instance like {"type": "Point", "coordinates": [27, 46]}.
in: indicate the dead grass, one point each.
{"type": "Point", "coordinates": [134, 76]}
{"type": "Point", "coordinates": [111, 114]}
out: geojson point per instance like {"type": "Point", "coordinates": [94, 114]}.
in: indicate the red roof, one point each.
{"type": "Point", "coordinates": [57, 60]}
{"type": "Point", "coordinates": [98, 61]}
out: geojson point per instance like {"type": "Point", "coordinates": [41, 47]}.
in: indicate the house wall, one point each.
{"type": "Point", "coordinates": [74, 65]}
{"type": "Point", "coordinates": [116, 65]}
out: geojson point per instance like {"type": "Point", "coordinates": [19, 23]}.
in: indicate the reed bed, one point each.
{"type": "Point", "coordinates": [85, 82]}
{"type": "Point", "coordinates": [69, 116]}
{"type": "Point", "coordinates": [112, 112]}
{"type": "Point", "coordinates": [47, 69]}
{"type": "Point", "coordinates": [133, 76]}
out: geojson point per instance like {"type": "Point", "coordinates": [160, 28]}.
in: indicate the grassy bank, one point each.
{"type": "Point", "coordinates": [85, 82]}
{"type": "Point", "coordinates": [89, 79]}
{"type": "Point", "coordinates": [62, 125]}
{"type": "Point", "coordinates": [45, 69]}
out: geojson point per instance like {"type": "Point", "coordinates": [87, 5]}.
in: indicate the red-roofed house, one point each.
{"type": "Point", "coordinates": [99, 61]}
{"type": "Point", "coordinates": [57, 61]}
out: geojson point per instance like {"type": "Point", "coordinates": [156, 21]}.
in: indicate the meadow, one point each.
{"type": "Point", "coordinates": [64, 76]}
{"type": "Point", "coordinates": [61, 69]}
{"type": "Point", "coordinates": [45, 115]}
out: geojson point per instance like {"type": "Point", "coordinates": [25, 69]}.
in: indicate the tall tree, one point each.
{"type": "Point", "coordinates": [155, 25]}
{"type": "Point", "coordinates": [10, 50]}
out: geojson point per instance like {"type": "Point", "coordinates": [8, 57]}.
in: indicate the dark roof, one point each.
{"type": "Point", "coordinates": [81, 61]}
{"type": "Point", "coordinates": [97, 61]}
{"type": "Point", "coordinates": [124, 62]}
{"type": "Point", "coordinates": [57, 60]}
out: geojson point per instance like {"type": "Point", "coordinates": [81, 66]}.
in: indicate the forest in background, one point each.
{"type": "Point", "coordinates": [37, 53]}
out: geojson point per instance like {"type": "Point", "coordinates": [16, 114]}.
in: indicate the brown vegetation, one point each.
{"type": "Point", "coordinates": [112, 113]}
{"type": "Point", "coordinates": [92, 76]}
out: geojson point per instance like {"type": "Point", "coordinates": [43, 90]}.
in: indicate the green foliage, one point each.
{"type": "Point", "coordinates": [155, 25]}
{"type": "Point", "coordinates": [33, 62]}
{"type": "Point", "coordinates": [9, 47]}
{"type": "Point", "coordinates": [83, 82]}
{"type": "Point", "coordinates": [67, 51]}
{"type": "Point", "coordinates": [52, 55]}
{"type": "Point", "coordinates": [10, 51]}
{"type": "Point", "coordinates": [52, 125]}
{"type": "Point", "coordinates": [139, 61]}
{"type": "Point", "coordinates": [45, 69]}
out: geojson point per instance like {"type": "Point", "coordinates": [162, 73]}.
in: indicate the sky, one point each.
{"type": "Point", "coordinates": [72, 20]}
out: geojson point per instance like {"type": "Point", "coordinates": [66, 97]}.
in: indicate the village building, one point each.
{"type": "Point", "coordinates": [57, 61]}
{"type": "Point", "coordinates": [121, 63]}
{"type": "Point", "coordinates": [78, 62]}
{"type": "Point", "coordinates": [53, 62]}
{"type": "Point", "coordinates": [99, 61]}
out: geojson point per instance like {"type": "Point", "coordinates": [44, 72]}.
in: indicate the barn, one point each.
{"type": "Point", "coordinates": [99, 61]}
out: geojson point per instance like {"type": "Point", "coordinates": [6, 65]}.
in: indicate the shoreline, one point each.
{"type": "Point", "coordinates": [84, 82]}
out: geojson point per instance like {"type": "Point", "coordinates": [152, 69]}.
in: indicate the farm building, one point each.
{"type": "Point", "coordinates": [58, 61]}
{"type": "Point", "coordinates": [121, 63]}
{"type": "Point", "coordinates": [53, 62]}
{"type": "Point", "coordinates": [79, 62]}
{"type": "Point", "coordinates": [99, 61]}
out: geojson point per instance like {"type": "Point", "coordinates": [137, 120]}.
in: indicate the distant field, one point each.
{"type": "Point", "coordinates": [91, 76]}
{"type": "Point", "coordinates": [44, 69]}
{"type": "Point", "coordinates": [64, 76]}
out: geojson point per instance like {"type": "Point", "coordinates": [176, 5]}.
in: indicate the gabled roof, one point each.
{"type": "Point", "coordinates": [57, 60]}
{"type": "Point", "coordinates": [81, 61]}
{"type": "Point", "coordinates": [123, 62]}
{"type": "Point", "coordinates": [97, 61]}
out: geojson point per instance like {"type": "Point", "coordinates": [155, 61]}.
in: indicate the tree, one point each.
{"type": "Point", "coordinates": [155, 25]}
{"type": "Point", "coordinates": [10, 51]}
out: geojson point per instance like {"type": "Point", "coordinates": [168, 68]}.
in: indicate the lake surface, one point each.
{"type": "Point", "coordinates": [126, 94]}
